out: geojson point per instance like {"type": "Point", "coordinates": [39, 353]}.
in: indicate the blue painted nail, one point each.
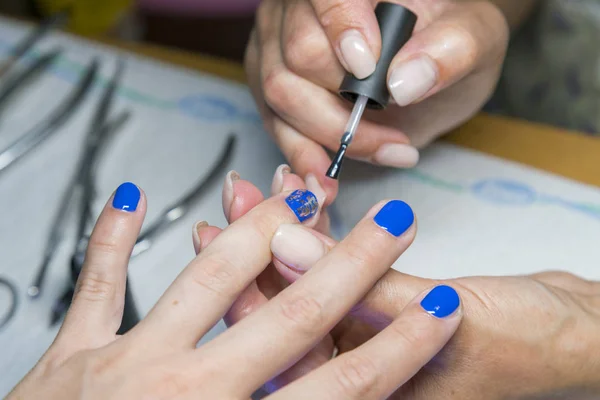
{"type": "Point", "coordinates": [126, 197]}
{"type": "Point", "coordinates": [395, 217]}
{"type": "Point", "coordinates": [303, 203]}
{"type": "Point", "coordinates": [441, 301]}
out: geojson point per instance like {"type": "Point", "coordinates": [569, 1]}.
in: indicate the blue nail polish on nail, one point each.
{"type": "Point", "coordinates": [303, 203]}
{"type": "Point", "coordinates": [395, 217]}
{"type": "Point", "coordinates": [126, 197]}
{"type": "Point", "coordinates": [441, 301]}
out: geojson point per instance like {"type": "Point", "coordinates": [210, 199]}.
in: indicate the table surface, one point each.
{"type": "Point", "coordinates": [569, 154]}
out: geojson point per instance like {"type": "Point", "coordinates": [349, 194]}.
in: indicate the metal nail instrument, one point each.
{"type": "Point", "coordinates": [49, 125]}
{"type": "Point", "coordinates": [12, 305]}
{"type": "Point", "coordinates": [99, 136]}
{"type": "Point", "coordinates": [81, 185]}
{"type": "Point", "coordinates": [55, 21]}
{"type": "Point", "coordinates": [169, 216]}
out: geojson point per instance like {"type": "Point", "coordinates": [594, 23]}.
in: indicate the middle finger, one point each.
{"type": "Point", "coordinates": [207, 287]}
{"type": "Point", "coordinates": [295, 320]}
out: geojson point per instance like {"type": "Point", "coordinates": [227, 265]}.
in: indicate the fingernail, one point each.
{"type": "Point", "coordinates": [197, 227]}
{"type": "Point", "coordinates": [357, 54]}
{"type": "Point", "coordinates": [294, 246]}
{"type": "Point", "coordinates": [303, 203]}
{"type": "Point", "coordinates": [277, 185]}
{"type": "Point", "coordinates": [397, 155]}
{"type": "Point", "coordinates": [227, 198]}
{"type": "Point", "coordinates": [412, 79]}
{"type": "Point", "coordinates": [312, 184]}
{"type": "Point", "coordinates": [441, 302]}
{"type": "Point", "coordinates": [126, 197]}
{"type": "Point", "coordinates": [395, 217]}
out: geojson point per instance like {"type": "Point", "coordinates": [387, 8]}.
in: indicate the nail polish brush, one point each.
{"type": "Point", "coordinates": [396, 24]}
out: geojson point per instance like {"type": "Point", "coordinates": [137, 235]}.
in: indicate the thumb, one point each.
{"type": "Point", "coordinates": [353, 32]}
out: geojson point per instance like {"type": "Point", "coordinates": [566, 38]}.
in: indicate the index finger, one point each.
{"type": "Point", "coordinates": [205, 290]}
{"type": "Point", "coordinates": [295, 320]}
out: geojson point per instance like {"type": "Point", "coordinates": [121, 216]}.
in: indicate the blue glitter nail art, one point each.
{"type": "Point", "coordinates": [303, 203]}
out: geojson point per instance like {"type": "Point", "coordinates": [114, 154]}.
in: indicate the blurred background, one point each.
{"type": "Point", "coordinates": [186, 24]}
{"type": "Point", "coordinates": [550, 73]}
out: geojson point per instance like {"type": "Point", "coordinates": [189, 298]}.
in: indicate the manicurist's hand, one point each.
{"type": "Point", "coordinates": [300, 51]}
{"type": "Point", "coordinates": [158, 358]}
{"type": "Point", "coordinates": [522, 337]}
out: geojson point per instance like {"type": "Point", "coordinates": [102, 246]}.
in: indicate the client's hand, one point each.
{"type": "Point", "coordinates": [523, 337]}
{"type": "Point", "coordinates": [158, 358]}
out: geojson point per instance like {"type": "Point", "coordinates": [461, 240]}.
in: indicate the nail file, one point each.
{"type": "Point", "coordinates": [396, 24]}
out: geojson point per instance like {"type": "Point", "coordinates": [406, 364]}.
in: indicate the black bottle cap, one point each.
{"type": "Point", "coordinates": [396, 24]}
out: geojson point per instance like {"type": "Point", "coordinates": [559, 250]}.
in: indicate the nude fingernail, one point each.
{"type": "Point", "coordinates": [356, 53]}
{"type": "Point", "coordinates": [312, 184]}
{"type": "Point", "coordinates": [228, 195]}
{"type": "Point", "coordinates": [277, 184]}
{"type": "Point", "coordinates": [196, 234]}
{"type": "Point", "coordinates": [412, 79]}
{"type": "Point", "coordinates": [397, 155]}
{"type": "Point", "coordinates": [296, 247]}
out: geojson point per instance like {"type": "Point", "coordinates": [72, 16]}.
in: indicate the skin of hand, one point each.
{"type": "Point", "coordinates": [159, 357]}
{"type": "Point", "coordinates": [300, 50]}
{"type": "Point", "coordinates": [522, 337]}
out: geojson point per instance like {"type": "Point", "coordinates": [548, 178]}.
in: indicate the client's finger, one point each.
{"type": "Point", "coordinates": [294, 321]}
{"type": "Point", "coordinates": [217, 276]}
{"type": "Point", "coordinates": [380, 366]}
{"type": "Point", "coordinates": [296, 249]}
{"type": "Point", "coordinates": [95, 314]}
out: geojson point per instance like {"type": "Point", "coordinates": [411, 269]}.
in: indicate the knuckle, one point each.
{"type": "Point", "coordinates": [557, 276]}
{"type": "Point", "coordinates": [477, 300]}
{"type": "Point", "coordinates": [264, 17]}
{"type": "Point", "coordinates": [306, 51]}
{"type": "Point", "coordinates": [93, 286]}
{"type": "Point", "coordinates": [170, 385]}
{"type": "Point", "coordinates": [413, 332]}
{"type": "Point", "coordinates": [104, 247]}
{"type": "Point", "coordinates": [216, 275]}
{"type": "Point", "coordinates": [302, 313]}
{"type": "Point", "coordinates": [361, 257]}
{"type": "Point", "coordinates": [276, 87]}
{"type": "Point", "coordinates": [357, 376]}
{"type": "Point", "coordinates": [264, 225]}
{"type": "Point", "coordinates": [53, 360]}
{"type": "Point", "coordinates": [468, 44]}
{"type": "Point", "coordinates": [330, 15]}
{"type": "Point", "coordinates": [300, 156]}
{"type": "Point", "coordinates": [492, 22]}
{"type": "Point", "coordinates": [491, 16]}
